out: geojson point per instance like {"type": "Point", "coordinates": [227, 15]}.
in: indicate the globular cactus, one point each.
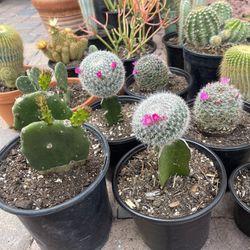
{"type": "Point", "coordinates": [201, 24]}
{"type": "Point", "coordinates": [65, 46]}
{"type": "Point", "coordinates": [151, 72]}
{"type": "Point", "coordinates": [215, 41]}
{"type": "Point", "coordinates": [218, 108]}
{"type": "Point", "coordinates": [236, 66]}
{"type": "Point", "coordinates": [11, 55]}
{"type": "Point", "coordinates": [223, 10]}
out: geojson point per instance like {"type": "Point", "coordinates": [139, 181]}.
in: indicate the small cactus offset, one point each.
{"type": "Point", "coordinates": [218, 108]}
{"type": "Point", "coordinates": [11, 55]}
{"type": "Point", "coordinates": [223, 10]}
{"type": "Point", "coordinates": [161, 120]}
{"type": "Point", "coordinates": [151, 72]}
{"type": "Point", "coordinates": [236, 66]}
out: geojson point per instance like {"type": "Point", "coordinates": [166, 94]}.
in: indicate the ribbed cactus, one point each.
{"type": "Point", "coordinates": [198, 3]}
{"type": "Point", "coordinates": [11, 55]}
{"type": "Point", "coordinates": [201, 24]}
{"type": "Point", "coordinates": [65, 46]}
{"type": "Point", "coordinates": [160, 121]}
{"type": "Point", "coordinates": [217, 108]}
{"type": "Point", "coordinates": [223, 10]}
{"type": "Point", "coordinates": [236, 66]}
{"type": "Point", "coordinates": [151, 72]}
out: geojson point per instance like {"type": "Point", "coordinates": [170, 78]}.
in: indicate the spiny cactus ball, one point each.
{"type": "Point", "coordinates": [218, 108]}
{"type": "Point", "coordinates": [223, 10]}
{"type": "Point", "coordinates": [161, 119]}
{"type": "Point", "coordinates": [102, 74]}
{"type": "Point", "coordinates": [151, 72]}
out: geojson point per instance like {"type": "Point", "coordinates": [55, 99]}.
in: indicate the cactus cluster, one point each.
{"type": "Point", "coordinates": [151, 72]}
{"type": "Point", "coordinates": [11, 55]}
{"type": "Point", "coordinates": [218, 108]}
{"type": "Point", "coordinates": [223, 10]}
{"type": "Point", "coordinates": [236, 66]}
{"type": "Point", "coordinates": [65, 46]}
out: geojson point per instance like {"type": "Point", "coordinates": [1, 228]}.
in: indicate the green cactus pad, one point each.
{"type": "Point", "coordinates": [61, 75]}
{"type": "Point", "coordinates": [34, 74]}
{"type": "Point", "coordinates": [24, 84]}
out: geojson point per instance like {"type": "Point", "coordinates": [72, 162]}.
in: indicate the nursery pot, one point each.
{"type": "Point", "coordinates": [119, 147]}
{"type": "Point", "coordinates": [184, 233]}
{"type": "Point", "coordinates": [82, 222]}
{"type": "Point", "coordinates": [241, 210]}
{"type": "Point", "coordinates": [112, 18]}
{"type": "Point", "coordinates": [184, 93]}
{"type": "Point", "coordinates": [70, 69]}
{"type": "Point", "coordinates": [203, 68]}
{"type": "Point", "coordinates": [174, 52]}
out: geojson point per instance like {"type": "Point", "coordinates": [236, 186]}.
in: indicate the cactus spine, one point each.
{"type": "Point", "coordinates": [223, 10]}
{"type": "Point", "coordinates": [11, 55]}
{"type": "Point", "coordinates": [236, 66]}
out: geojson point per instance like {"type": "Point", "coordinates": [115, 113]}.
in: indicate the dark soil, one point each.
{"type": "Point", "coordinates": [4, 88]}
{"type": "Point", "coordinates": [242, 186]}
{"type": "Point", "coordinates": [23, 187]}
{"type": "Point", "coordinates": [240, 136]}
{"type": "Point", "coordinates": [139, 187]}
{"type": "Point", "coordinates": [121, 130]}
{"type": "Point", "coordinates": [175, 85]}
{"type": "Point", "coordinates": [173, 40]}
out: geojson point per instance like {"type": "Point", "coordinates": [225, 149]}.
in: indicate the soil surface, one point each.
{"type": "Point", "coordinates": [240, 136]}
{"type": "Point", "coordinates": [242, 186]}
{"type": "Point", "coordinates": [121, 130]}
{"type": "Point", "coordinates": [23, 187]}
{"type": "Point", "coordinates": [173, 40]}
{"type": "Point", "coordinates": [4, 88]}
{"type": "Point", "coordinates": [139, 187]}
{"type": "Point", "coordinates": [175, 85]}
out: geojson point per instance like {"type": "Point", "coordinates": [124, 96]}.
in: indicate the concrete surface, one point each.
{"type": "Point", "coordinates": [224, 235]}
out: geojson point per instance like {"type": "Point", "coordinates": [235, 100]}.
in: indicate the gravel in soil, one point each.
{"type": "Point", "coordinates": [240, 136]}
{"type": "Point", "coordinates": [242, 186]}
{"type": "Point", "coordinates": [25, 188]}
{"type": "Point", "coordinates": [139, 187]}
{"type": "Point", "coordinates": [175, 85]}
{"type": "Point", "coordinates": [4, 88]}
{"type": "Point", "coordinates": [121, 130]}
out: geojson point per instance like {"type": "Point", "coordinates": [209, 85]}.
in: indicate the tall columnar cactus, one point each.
{"type": "Point", "coordinates": [151, 72]}
{"type": "Point", "coordinates": [236, 66]}
{"type": "Point", "coordinates": [102, 74]}
{"type": "Point", "coordinates": [11, 55]}
{"type": "Point", "coordinates": [218, 108]}
{"type": "Point", "coordinates": [65, 46]}
{"type": "Point", "coordinates": [201, 25]}
{"type": "Point", "coordinates": [223, 10]}
{"type": "Point", "coordinates": [161, 120]}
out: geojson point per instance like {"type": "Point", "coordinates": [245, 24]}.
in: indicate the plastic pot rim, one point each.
{"type": "Point", "coordinates": [70, 202]}
{"type": "Point", "coordinates": [165, 40]}
{"type": "Point", "coordinates": [231, 186]}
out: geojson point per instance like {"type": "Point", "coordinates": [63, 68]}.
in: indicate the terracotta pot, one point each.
{"type": "Point", "coordinates": [67, 12]}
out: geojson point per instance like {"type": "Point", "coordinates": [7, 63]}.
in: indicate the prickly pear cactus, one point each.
{"type": "Point", "coordinates": [218, 108]}
{"type": "Point", "coordinates": [151, 72]}
{"type": "Point", "coordinates": [236, 66]}
{"type": "Point", "coordinates": [223, 9]}
{"type": "Point", "coordinates": [11, 55]}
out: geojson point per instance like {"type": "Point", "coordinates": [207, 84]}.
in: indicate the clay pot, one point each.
{"type": "Point", "coordinates": [67, 12]}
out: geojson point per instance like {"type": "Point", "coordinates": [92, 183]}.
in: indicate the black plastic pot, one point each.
{"type": "Point", "coordinates": [112, 18]}
{"type": "Point", "coordinates": [241, 210]}
{"type": "Point", "coordinates": [234, 156]}
{"type": "Point", "coordinates": [82, 222]}
{"type": "Point", "coordinates": [174, 52]}
{"type": "Point", "coordinates": [203, 68]}
{"type": "Point", "coordinates": [119, 147]}
{"type": "Point", "coordinates": [184, 93]}
{"type": "Point", "coordinates": [70, 70]}
{"type": "Point", "coordinates": [185, 233]}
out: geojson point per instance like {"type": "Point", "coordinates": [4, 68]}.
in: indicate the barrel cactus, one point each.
{"type": "Point", "coordinates": [151, 72]}
{"type": "Point", "coordinates": [11, 55]}
{"type": "Point", "coordinates": [218, 108]}
{"type": "Point", "coordinates": [236, 66]}
{"type": "Point", "coordinates": [223, 10]}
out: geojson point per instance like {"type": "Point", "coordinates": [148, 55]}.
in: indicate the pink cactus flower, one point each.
{"type": "Point", "coordinates": [134, 63]}
{"type": "Point", "coordinates": [204, 96]}
{"type": "Point", "coordinates": [135, 72]}
{"type": "Point", "coordinates": [151, 119]}
{"type": "Point", "coordinates": [78, 70]}
{"type": "Point", "coordinates": [113, 65]}
{"type": "Point", "coordinates": [99, 74]}
{"type": "Point", "coordinates": [156, 117]}
{"type": "Point", "coordinates": [225, 80]}
{"type": "Point", "coordinates": [147, 120]}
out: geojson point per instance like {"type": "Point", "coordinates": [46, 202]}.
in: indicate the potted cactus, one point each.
{"type": "Point", "coordinates": [153, 181]}
{"type": "Point", "coordinates": [221, 121]}
{"type": "Point", "coordinates": [102, 74]}
{"type": "Point", "coordinates": [61, 165]}
{"type": "Point", "coordinates": [152, 74]}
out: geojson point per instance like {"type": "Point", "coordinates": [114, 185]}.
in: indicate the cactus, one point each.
{"type": "Point", "coordinates": [151, 72]}
{"type": "Point", "coordinates": [11, 55]}
{"type": "Point", "coordinates": [65, 46]}
{"type": "Point", "coordinates": [215, 41]}
{"type": "Point", "coordinates": [223, 10]}
{"type": "Point", "coordinates": [201, 24]}
{"type": "Point", "coordinates": [198, 3]}
{"type": "Point", "coordinates": [236, 66]}
{"type": "Point", "coordinates": [217, 108]}
{"type": "Point", "coordinates": [160, 121]}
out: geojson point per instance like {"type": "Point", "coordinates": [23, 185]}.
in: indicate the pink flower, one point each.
{"type": "Point", "coordinates": [156, 117]}
{"type": "Point", "coordinates": [147, 120]}
{"type": "Point", "coordinates": [204, 96]}
{"type": "Point", "coordinates": [99, 74]}
{"type": "Point", "coordinates": [78, 70]}
{"type": "Point", "coordinates": [135, 72]}
{"type": "Point", "coordinates": [134, 63]}
{"type": "Point", "coordinates": [113, 65]}
{"type": "Point", "coordinates": [150, 119]}
{"type": "Point", "coordinates": [225, 80]}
